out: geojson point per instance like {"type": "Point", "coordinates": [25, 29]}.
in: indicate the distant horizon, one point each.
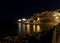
{"type": "Point", "coordinates": [14, 18]}
{"type": "Point", "coordinates": [12, 10]}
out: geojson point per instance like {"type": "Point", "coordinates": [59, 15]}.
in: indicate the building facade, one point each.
{"type": "Point", "coordinates": [39, 22]}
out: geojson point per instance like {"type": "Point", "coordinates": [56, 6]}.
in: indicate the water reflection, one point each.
{"type": "Point", "coordinates": [28, 28]}
{"type": "Point", "coordinates": [23, 28]}
{"type": "Point", "coordinates": [38, 28]}
{"type": "Point", "coordinates": [34, 27]}
{"type": "Point", "coordinates": [19, 28]}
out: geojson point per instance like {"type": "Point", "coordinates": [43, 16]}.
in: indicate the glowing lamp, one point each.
{"type": "Point", "coordinates": [38, 18]}
{"type": "Point", "coordinates": [56, 17]}
{"type": "Point", "coordinates": [23, 19]}
{"type": "Point", "coordinates": [19, 20]}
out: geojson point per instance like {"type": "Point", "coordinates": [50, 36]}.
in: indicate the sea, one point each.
{"type": "Point", "coordinates": [8, 28]}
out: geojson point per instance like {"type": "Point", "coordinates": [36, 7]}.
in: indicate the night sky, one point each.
{"type": "Point", "coordinates": [12, 10]}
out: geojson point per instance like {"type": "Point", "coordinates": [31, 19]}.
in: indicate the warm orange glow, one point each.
{"type": "Point", "coordinates": [56, 20]}
{"type": "Point", "coordinates": [34, 28]}
{"type": "Point", "coordinates": [56, 14]}
{"type": "Point", "coordinates": [38, 18]}
{"type": "Point", "coordinates": [34, 21]}
{"type": "Point", "coordinates": [28, 28]}
{"type": "Point", "coordinates": [38, 28]}
{"type": "Point", "coordinates": [57, 17]}
{"type": "Point", "coordinates": [27, 21]}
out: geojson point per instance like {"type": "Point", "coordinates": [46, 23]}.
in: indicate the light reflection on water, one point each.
{"type": "Point", "coordinates": [19, 28]}
{"type": "Point", "coordinates": [34, 27]}
{"type": "Point", "coordinates": [26, 28]}
{"type": "Point", "coordinates": [38, 28]}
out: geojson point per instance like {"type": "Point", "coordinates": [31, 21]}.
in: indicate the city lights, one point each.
{"type": "Point", "coordinates": [38, 18]}
{"type": "Point", "coordinates": [33, 21]}
{"type": "Point", "coordinates": [19, 20]}
{"type": "Point", "coordinates": [56, 17]}
{"type": "Point", "coordinates": [34, 27]}
{"type": "Point", "coordinates": [28, 28]}
{"type": "Point", "coordinates": [19, 28]}
{"type": "Point", "coordinates": [38, 28]}
{"type": "Point", "coordinates": [38, 21]}
{"type": "Point", "coordinates": [23, 19]}
{"type": "Point", "coordinates": [56, 14]}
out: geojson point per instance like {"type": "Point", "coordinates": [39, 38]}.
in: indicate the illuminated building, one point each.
{"type": "Point", "coordinates": [39, 22]}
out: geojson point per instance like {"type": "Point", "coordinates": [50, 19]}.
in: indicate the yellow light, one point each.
{"type": "Point", "coordinates": [34, 28]}
{"type": "Point", "coordinates": [56, 14]}
{"type": "Point", "coordinates": [38, 18]}
{"type": "Point", "coordinates": [28, 28]}
{"type": "Point", "coordinates": [28, 21]}
{"type": "Point", "coordinates": [24, 19]}
{"type": "Point", "coordinates": [38, 28]}
{"type": "Point", "coordinates": [57, 20]}
{"type": "Point", "coordinates": [56, 17]}
{"type": "Point", "coordinates": [34, 21]}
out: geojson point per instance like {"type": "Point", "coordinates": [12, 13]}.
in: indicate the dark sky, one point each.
{"type": "Point", "coordinates": [12, 10]}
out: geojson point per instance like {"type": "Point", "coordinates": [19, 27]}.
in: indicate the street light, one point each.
{"type": "Point", "coordinates": [19, 20]}
{"type": "Point", "coordinates": [23, 19]}
{"type": "Point", "coordinates": [56, 15]}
